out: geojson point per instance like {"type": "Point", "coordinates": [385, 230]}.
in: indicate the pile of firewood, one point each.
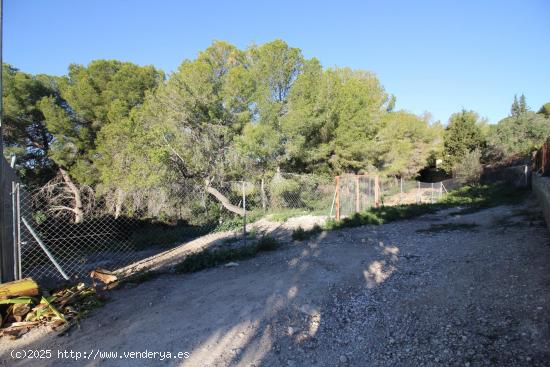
{"type": "Point", "coordinates": [24, 306]}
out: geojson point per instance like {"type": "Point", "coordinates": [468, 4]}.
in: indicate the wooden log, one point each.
{"type": "Point", "coordinates": [18, 288]}
{"type": "Point", "coordinates": [103, 275]}
{"type": "Point", "coordinates": [19, 311]}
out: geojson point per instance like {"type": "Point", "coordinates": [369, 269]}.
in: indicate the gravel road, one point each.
{"type": "Point", "coordinates": [440, 290]}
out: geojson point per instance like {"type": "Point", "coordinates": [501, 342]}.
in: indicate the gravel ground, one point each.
{"type": "Point", "coordinates": [166, 260]}
{"type": "Point", "coordinates": [433, 291]}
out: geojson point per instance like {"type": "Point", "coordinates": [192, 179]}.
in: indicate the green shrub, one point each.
{"type": "Point", "coordinates": [469, 168]}
{"type": "Point", "coordinates": [284, 214]}
{"type": "Point", "coordinates": [211, 258]}
{"type": "Point", "coordinates": [475, 197]}
{"type": "Point", "coordinates": [267, 243]}
{"type": "Point", "coordinates": [300, 234]}
{"type": "Point", "coordinates": [484, 196]}
{"type": "Point", "coordinates": [234, 222]}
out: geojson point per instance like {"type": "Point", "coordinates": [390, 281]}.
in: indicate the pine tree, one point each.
{"type": "Point", "coordinates": [515, 110]}
{"type": "Point", "coordinates": [523, 105]}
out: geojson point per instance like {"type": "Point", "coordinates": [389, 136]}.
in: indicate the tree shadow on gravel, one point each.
{"type": "Point", "coordinates": [241, 315]}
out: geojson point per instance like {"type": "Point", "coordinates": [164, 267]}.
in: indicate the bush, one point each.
{"type": "Point", "coordinates": [300, 234]}
{"type": "Point", "coordinates": [382, 215]}
{"type": "Point", "coordinates": [475, 197]}
{"type": "Point", "coordinates": [469, 169]}
{"type": "Point", "coordinates": [285, 193]}
{"type": "Point", "coordinates": [267, 243]}
{"type": "Point", "coordinates": [211, 258]}
{"type": "Point", "coordinates": [231, 222]}
{"type": "Point", "coordinates": [478, 197]}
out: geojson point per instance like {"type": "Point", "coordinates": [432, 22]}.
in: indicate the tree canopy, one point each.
{"type": "Point", "coordinates": [464, 134]}
{"type": "Point", "coordinates": [521, 133]}
{"type": "Point", "coordinates": [25, 132]}
{"type": "Point", "coordinates": [135, 138]}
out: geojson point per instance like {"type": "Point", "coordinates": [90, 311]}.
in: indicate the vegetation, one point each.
{"type": "Point", "coordinates": [477, 197]}
{"type": "Point", "coordinates": [116, 139]}
{"type": "Point", "coordinates": [473, 198]}
{"type": "Point", "coordinates": [545, 110]}
{"type": "Point", "coordinates": [384, 214]}
{"type": "Point", "coordinates": [469, 168]}
{"type": "Point", "coordinates": [469, 141]}
{"type": "Point", "coordinates": [463, 135]}
{"type": "Point", "coordinates": [142, 145]}
{"type": "Point", "coordinates": [518, 135]}
{"type": "Point", "coordinates": [300, 234]}
{"type": "Point", "coordinates": [211, 258]}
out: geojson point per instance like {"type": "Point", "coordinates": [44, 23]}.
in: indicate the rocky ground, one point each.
{"type": "Point", "coordinates": [447, 289]}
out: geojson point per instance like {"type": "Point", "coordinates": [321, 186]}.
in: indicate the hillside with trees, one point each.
{"type": "Point", "coordinates": [470, 142]}
{"type": "Point", "coordinates": [124, 135]}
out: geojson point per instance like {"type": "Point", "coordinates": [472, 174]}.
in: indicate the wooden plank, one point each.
{"type": "Point", "coordinates": [23, 287]}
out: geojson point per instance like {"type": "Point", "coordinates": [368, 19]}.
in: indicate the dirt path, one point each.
{"type": "Point", "coordinates": [449, 290]}
{"type": "Point", "coordinates": [166, 260]}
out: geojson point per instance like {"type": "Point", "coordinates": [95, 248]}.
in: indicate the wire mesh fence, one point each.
{"type": "Point", "coordinates": [355, 193]}
{"type": "Point", "coordinates": [399, 191]}
{"type": "Point", "coordinates": [53, 242]}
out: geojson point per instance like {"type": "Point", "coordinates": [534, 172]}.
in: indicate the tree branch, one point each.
{"type": "Point", "coordinates": [225, 201]}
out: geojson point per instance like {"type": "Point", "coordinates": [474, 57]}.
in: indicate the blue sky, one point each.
{"type": "Point", "coordinates": [436, 56]}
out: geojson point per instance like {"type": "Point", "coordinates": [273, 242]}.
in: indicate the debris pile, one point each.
{"type": "Point", "coordinates": [23, 306]}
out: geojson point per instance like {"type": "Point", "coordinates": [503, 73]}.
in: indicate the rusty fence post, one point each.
{"type": "Point", "coordinates": [377, 191]}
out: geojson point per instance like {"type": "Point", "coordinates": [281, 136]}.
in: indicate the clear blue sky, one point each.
{"type": "Point", "coordinates": [436, 56]}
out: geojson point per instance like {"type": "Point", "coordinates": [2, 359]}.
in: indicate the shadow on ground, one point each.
{"type": "Point", "coordinates": [375, 295]}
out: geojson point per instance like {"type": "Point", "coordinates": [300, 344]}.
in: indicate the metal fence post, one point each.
{"type": "Point", "coordinates": [17, 238]}
{"type": "Point", "coordinates": [45, 249]}
{"type": "Point", "coordinates": [15, 230]}
{"type": "Point", "coordinates": [264, 199]}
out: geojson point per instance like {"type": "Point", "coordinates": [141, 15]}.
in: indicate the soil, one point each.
{"type": "Point", "coordinates": [387, 295]}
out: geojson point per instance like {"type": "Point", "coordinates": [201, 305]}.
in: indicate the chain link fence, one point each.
{"type": "Point", "coordinates": [52, 244]}
{"type": "Point", "coordinates": [145, 233]}
{"type": "Point", "coordinates": [397, 191]}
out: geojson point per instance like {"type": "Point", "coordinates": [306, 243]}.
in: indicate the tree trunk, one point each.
{"type": "Point", "coordinates": [225, 201]}
{"type": "Point", "coordinates": [264, 196]}
{"type": "Point", "coordinates": [118, 203]}
{"type": "Point", "coordinates": [77, 208]}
